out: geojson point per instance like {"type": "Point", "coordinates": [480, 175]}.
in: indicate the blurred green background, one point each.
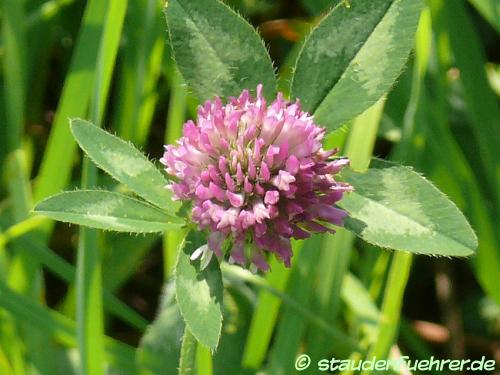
{"type": "Point", "coordinates": [341, 298]}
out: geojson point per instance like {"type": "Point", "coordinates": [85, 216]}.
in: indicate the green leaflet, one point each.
{"type": "Point", "coordinates": [394, 207]}
{"type": "Point", "coordinates": [107, 210]}
{"type": "Point", "coordinates": [125, 163]}
{"type": "Point", "coordinates": [199, 293]}
{"type": "Point", "coordinates": [217, 51]}
{"type": "Point", "coordinates": [353, 57]}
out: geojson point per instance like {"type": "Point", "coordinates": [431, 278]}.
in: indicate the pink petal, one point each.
{"type": "Point", "coordinates": [264, 173]}
{"type": "Point", "coordinates": [283, 180]}
{"type": "Point", "coordinates": [236, 200]}
{"type": "Point", "coordinates": [272, 197]}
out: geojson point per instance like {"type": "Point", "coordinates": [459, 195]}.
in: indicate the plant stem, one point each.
{"type": "Point", "coordinates": [188, 353]}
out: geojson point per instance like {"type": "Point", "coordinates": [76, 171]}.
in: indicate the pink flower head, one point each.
{"type": "Point", "coordinates": [257, 176]}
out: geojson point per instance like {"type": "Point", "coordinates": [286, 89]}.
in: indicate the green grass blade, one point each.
{"type": "Point", "coordinates": [291, 327]}
{"type": "Point", "coordinates": [14, 69]}
{"type": "Point", "coordinates": [453, 23]}
{"type": "Point", "coordinates": [5, 366]}
{"type": "Point", "coordinates": [450, 170]}
{"type": "Point", "coordinates": [23, 271]}
{"type": "Point", "coordinates": [332, 264]}
{"type": "Point", "coordinates": [123, 255]}
{"type": "Point", "coordinates": [266, 314]}
{"type": "Point", "coordinates": [337, 249]}
{"type": "Point", "coordinates": [361, 140]}
{"type": "Point", "coordinates": [57, 162]}
{"type": "Point", "coordinates": [391, 306]}
{"type": "Point", "coordinates": [60, 327]}
{"type": "Point", "coordinates": [89, 303]}
{"type": "Point", "coordinates": [444, 161]}
{"type": "Point", "coordinates": [89, 314]}
{"type": "Point", "coordinates": [363, 308]}
{"type": "Point", "coordinates": [490, 10]}
{"type": "Point", "coordinates": [345, 344]}
{"type": "Point", "coordinates": [359, 300]}
{"type": "Point", "coordinates": [108, 50]}
{"type": "Point", "coordinates": [45, 12]}
{"type": "Point", "coordinates": [150, 75]}
{"type": "Point", "coordinates": [66, 272]}
{"type": "Point", "coordinates": [19, 186]}
{"type": "Point", "coordinates": [378, 274]}
{"type": "Point", "coordinates": [21, 228]}
{"type": "Point", "coordinates": [89, 310]}
{"type": "Point", "coordinates": [406, 149]}
{"type": "Point", "coordinates": [15, 75]}
{"type": "Point", "coordinates": [10, 341]}
{"type": "Point", "coordinates": [141, 64]}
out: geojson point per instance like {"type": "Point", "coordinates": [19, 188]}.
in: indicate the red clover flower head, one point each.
{"type": "Point", "coordinates": [257, 176]}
